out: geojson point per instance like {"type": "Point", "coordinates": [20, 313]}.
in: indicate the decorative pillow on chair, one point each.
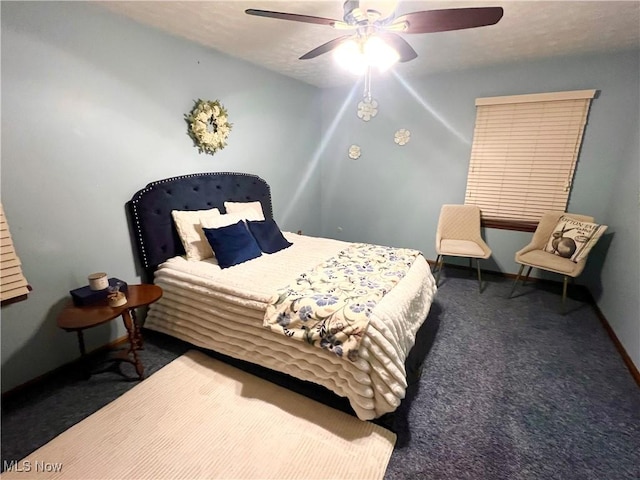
{"type": "Point", "coordinates": [268, 235]}
{"type": "Point", "coordinates": [248, 210]}
{"type": "Point", "coordinates": [574, 239]}
{"type": "Point", "coordinates": [190, 232]}
{"type": "Point", "coordinates": [232, 244]}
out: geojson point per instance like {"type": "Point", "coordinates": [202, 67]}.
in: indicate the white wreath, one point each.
{"type": "Point", "coordinates": [209, 126]}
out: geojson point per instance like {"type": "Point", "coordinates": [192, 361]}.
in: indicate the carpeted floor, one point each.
{"type": "Point", "coordinates": [510, 389]}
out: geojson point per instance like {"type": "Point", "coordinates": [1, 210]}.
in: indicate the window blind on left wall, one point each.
{"type": "Point", "coordinates": [13, 285]}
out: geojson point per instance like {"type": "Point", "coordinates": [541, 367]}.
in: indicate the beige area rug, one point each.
{"type": "Point", "coordinates": [200, 418]}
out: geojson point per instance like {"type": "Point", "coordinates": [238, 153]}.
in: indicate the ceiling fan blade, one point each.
{"type": "Point", "coordinates": [324, 48]}
{"type": "Point", "coordinates": [445, 20]}
{"type": "Point", "coordinates": [400, 45]}
{"type": "Point", "coordinates": [291, 16]}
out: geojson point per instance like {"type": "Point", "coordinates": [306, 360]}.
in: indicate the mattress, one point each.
{"type": "Point", "coordinates": [223, 310]}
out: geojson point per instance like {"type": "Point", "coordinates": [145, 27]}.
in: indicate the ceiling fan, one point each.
{"type": "Point", "coordinates": [370, 23]}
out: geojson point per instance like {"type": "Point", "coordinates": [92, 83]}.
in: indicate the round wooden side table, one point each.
{"type": "Point", "coordinates": [76, 319]}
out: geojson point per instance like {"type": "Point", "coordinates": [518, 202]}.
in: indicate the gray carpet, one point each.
{"type": "Point", "coordinates": [510, 389]}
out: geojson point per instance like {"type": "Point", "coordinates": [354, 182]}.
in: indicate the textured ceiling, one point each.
{"type": "Point", "coordinates": [528, 30]}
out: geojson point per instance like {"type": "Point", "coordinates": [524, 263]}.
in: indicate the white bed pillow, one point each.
{"type": "Point", "coordinates": [190, 232]}
{"type": "Point", "coordinates": [248, 210]}
{"type": "Point", "coordinates": [221, 220]}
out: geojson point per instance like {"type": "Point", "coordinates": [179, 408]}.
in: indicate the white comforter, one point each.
{"type": "Point", "coordinates": [223, 310]}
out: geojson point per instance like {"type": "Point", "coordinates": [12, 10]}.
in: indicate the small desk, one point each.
{"type": "Point", "coordinates": [76, 319]}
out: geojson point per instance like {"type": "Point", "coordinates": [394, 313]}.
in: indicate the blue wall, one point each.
{"type": "Point", "coordinates": [92, 110]}
{"type": "Point", "coordinates": [393, 194]}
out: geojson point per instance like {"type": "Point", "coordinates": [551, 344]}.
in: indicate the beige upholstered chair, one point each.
{"type": "Point", "coordinates": [534, 254]}
{"type": "Point", "coordinates": [459, 235]}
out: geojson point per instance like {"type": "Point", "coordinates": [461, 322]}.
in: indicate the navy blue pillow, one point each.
{"type": "Point", "coordinates": [268, 235]}
{"type": "Point", "coordinates": [232, 244]}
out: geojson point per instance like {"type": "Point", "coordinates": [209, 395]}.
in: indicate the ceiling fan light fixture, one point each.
{"type": "Point", "coordinates": [357, 55]}
{"type": "Point", "coordinates": [379, 54]}
{"type": "Point", "coordinates": [349, 56]}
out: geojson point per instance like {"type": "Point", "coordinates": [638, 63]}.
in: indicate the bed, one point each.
{"type": "Point", "coordinates": [224, 309]}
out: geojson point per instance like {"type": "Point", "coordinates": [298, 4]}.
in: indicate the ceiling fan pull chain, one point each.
{"type": "Point", "coordinates": [367, 84]}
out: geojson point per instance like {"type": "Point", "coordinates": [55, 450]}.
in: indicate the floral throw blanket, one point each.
{"type": "Point", "coordinates": [329, 306]}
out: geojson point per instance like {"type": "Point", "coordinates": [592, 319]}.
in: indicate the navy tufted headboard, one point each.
{"type": "Point", "coordinates": [150, 209]}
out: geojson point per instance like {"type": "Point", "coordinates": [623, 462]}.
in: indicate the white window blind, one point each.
{"type": "Point", "coordinates": [524, 154]}
{"type": "Point", "coordinates": [13, 284]}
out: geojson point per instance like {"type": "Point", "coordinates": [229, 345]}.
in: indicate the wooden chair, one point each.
{"type": "Point", "coordinates": [458, 235]}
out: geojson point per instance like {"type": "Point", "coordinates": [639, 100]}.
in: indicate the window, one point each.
{"type": "Point", "coordinates": [524, 154]}
{"type": "Point", "coordinates": [13, 285]}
